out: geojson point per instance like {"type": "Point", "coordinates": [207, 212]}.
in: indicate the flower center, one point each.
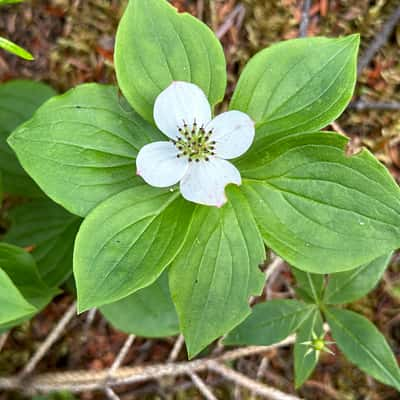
{"type": "Point", "coordinates": [318, 344]}
{"type": "Point", "coordinates": [194, 143]}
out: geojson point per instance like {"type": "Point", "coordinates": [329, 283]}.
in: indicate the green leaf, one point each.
{"type": "Point", "coordinates": [4, 2]}
{"type": "Point", "coordinates": [317, 208]}
{"type": "Point", "coordinates": [304, 365]}
{"type": "Point", "coordinates": [19, 99]}
{"type": "Point", "coordinates": [269, 323]}
{"type": "Point", "coordinates": [50, 231]}
{"type": "Point", "coordinates": [13, 48]}
{"type": "Point", "coordinates": [22, 292]}
{"type": "Point", "coordinates": [364, 345]}
{"type": "Point", "coordinates": [1, 188]}
{"type": "Point", "coordinates": [21, 269]}
{"type": "Point", "coordinates": [13, 303]}
{"type": "Point", "coordinates": [156, 46]}
{"type": "Point", "coordinates": [349, 286]}
{"type": "Point", "coordinates": [310, 286]}
{"type": "Point", "coordinates": [127, 241]}
{"type": "Point", "coordinates": [81, 147]}
{"type": "Point", "coordinates": [216, 272]}
{"type": "Point", "coordinates": [149, 312]}
{"type": "Point", "coordinates": [298, 85]}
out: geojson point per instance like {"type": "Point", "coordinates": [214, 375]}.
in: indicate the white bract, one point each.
{"type": "Point", "coordinates": [198, 148]}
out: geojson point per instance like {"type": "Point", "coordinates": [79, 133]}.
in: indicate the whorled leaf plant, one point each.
{"type": "Point", "coordinates": [287, 184]}
{"type": "Point", "coordinates": [357, 337]}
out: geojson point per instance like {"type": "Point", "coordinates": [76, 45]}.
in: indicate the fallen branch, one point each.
{"type": "Point", "coordinates": [80, 381]}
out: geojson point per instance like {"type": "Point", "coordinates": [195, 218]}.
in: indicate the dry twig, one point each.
{"type": "Point", "coordinates": [204, 390]}
{"type": "Point", "coordinates": [3, 340]}
{"type": "Point", "coordinates": [176, 349]}
{"type": "Point", "coordinates": [122, 354]}
{"type": "Point", "coordinates": [237, 13]}
{"type": "Point", "coordinates": [244, 381]}
{"type": "Point", "coordinates": [380, 40]}
{"type": "Point", "coordinates": [111, 394]}
{"type": "Point", "coordinates": [305, 18]}
{"type": "Point", "coordinates": [54, 335]}
{"type": "Point", "coordinates": [363, 105]}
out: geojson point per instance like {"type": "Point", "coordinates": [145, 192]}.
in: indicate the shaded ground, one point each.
{"type": "Point", "coordinates": [73, 43]}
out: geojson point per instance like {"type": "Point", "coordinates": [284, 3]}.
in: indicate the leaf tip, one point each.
{"type": "Point", "coordinates": [355, 39]}
{"type": "Point", "coordinates": [83, 306]}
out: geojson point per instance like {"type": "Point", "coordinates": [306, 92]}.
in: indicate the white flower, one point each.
{"type": "Point", "coordinates": [198, 148]}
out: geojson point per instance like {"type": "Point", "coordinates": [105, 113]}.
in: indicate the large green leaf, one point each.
{"type": "Point", "coordinates": [298, 85]}
{"type": "Point", "coordinates": [155, 46]}
{"type": "Point", "coordinates": [19, 99]}
{"type": "Point", "coordinates": [364, 345]}
{"type": "Point", "coordinates": [217, 271]}
{"type": "Point", "coordinates": [81, 147]}
{"type": "Point", "coordinates": [304, 364]}
{"type": "Point", "coordinates": [127, 241]}
{"type": "Point", "coordinates": [309, 286]}
{"type": "Point", "coordinates": [270, 322]}
{"type": "Point", "coordinates": [149, 312]}
{"type": "Point", "coordinates": [50, 231]}
{"type": "Point", "coordinates": [321, 210]}
{"type": "Point", "coordinates": [345, 287]}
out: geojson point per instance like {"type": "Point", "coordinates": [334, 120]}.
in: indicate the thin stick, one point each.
{"type": "Point", "coordinates": [338, 128]}
{"type": "Point", "coordinates": [380, 40]}
{"type": "Point", "coordinates": [200, 9]}
{"type": "Point", "coordinates": [50, 340]}
{"type": "Point", "coordinates": [305, 18]}
{"type": "Point", "coordinates": [176, 349]}
{"type": "Point", "coordinates": [271, 273]}
{"type": "Point", "coordinates": [89, 319]}
{"type": "Point", "coordinates": [362, 105]}
{"type": "Point", "coordinates": [204, 390]}
{"type": "Point", "coordinates": [244, 381]}
{"type": "Point", "coordinates": [3, 339]}
{"type": "Point", "coordinates": [122, 354]}
{"type": "Point", "coordinates": [275, 265]}
{"type": "Point", "coordinates": [237, 12]}
{"type": "Point", "coordinates": [260, 372]}
{"type": "Point", "coordinates": [213, 14]}
{"type": "Point", "coordinates": [111, 394]}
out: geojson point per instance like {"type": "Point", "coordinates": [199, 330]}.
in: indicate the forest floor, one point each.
{"type": "Point", "coordinates": [73, 42]}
